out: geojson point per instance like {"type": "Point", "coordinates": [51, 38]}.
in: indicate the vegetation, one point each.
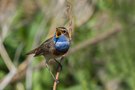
{"type": "Point", "coordinates": [102, 51]}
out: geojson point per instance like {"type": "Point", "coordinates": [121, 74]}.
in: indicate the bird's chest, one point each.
{"type": "Point", "coordinates": [57, 49]}
{"type": "Point", "coordinates": [62, 47]}
{"type": "Point", "coordinates": [61, 44]}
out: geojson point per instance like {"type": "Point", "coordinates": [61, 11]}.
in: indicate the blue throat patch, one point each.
{"type": "Point", "coordinates": [61, 43]}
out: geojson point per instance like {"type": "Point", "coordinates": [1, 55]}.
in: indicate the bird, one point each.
{"type": "Point", "coordinates": [54, 47]}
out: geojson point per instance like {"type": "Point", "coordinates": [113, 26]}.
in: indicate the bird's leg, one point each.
{"type": "Point", "coordinates": [48, 68]}
{"type": "Point", "coordinates": [59, 65]}
{"type": "Point", "coordinates": [61, 58]}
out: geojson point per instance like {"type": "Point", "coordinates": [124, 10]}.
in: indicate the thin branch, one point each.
{"type": "Point", "coordinates": [70, 23]}
{"type": "Point", "coordinates": [55, 82]}
{"type": "Point", "coordinates": [17, 54]}
{"type": "Point", "coordinates": [5, 57]}
{"type": "Point", "coordinates": [21, 72]}
{"type": "Point", "coordinates": [7, 79]}
{"type": "Point", "coordinates": [57, 75]}
{"type": "Point", "coordinates": [9, 64]}
{"type": "Point", "coordinates": [29, 72]}
{"type": "Point", "coordinates": [70, 30]}
{"type": "Point", "coordinates": [95, 40]}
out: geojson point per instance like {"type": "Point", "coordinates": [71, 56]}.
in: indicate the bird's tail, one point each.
{"type": "Point", "coordinates": [37, 52]}
{"type": "Point", "coordinates": [32, 52]}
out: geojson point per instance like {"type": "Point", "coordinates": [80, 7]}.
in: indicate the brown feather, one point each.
{"type": "Point", "coordinates": [31, 52]}
{"type": "Point", "coordinates": [42, 49]}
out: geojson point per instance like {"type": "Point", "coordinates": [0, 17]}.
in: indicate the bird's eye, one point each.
{"type": "Point", "coordinates": [64, 32]}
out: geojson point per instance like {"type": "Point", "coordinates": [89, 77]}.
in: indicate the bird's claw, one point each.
{"type": "Point", "coordinates": [59, 68]}
{"type": "Point", "coordinates": [57, 81]}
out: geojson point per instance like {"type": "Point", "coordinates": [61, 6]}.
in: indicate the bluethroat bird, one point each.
{"type": "Point", "coordinates": [54, 47]}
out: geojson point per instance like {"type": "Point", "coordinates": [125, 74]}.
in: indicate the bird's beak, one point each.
{"type": "Point", "coordinates": [58, 32]}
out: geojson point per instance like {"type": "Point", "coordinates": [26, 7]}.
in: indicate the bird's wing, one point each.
{"type": "Point", "coordinates": [43, 48]}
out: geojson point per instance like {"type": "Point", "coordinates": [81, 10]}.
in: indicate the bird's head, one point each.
{"type": "Point", "coordinates": [61, 39]}
{"type": "Point", "coordinates": [61, 31]}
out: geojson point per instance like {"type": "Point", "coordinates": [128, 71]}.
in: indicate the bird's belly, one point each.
{"type": "Point", "coordinates": [54, 54]}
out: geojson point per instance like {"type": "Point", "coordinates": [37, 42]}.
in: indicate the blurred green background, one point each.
{"type": "Point", "coordinates": [95, 63]}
